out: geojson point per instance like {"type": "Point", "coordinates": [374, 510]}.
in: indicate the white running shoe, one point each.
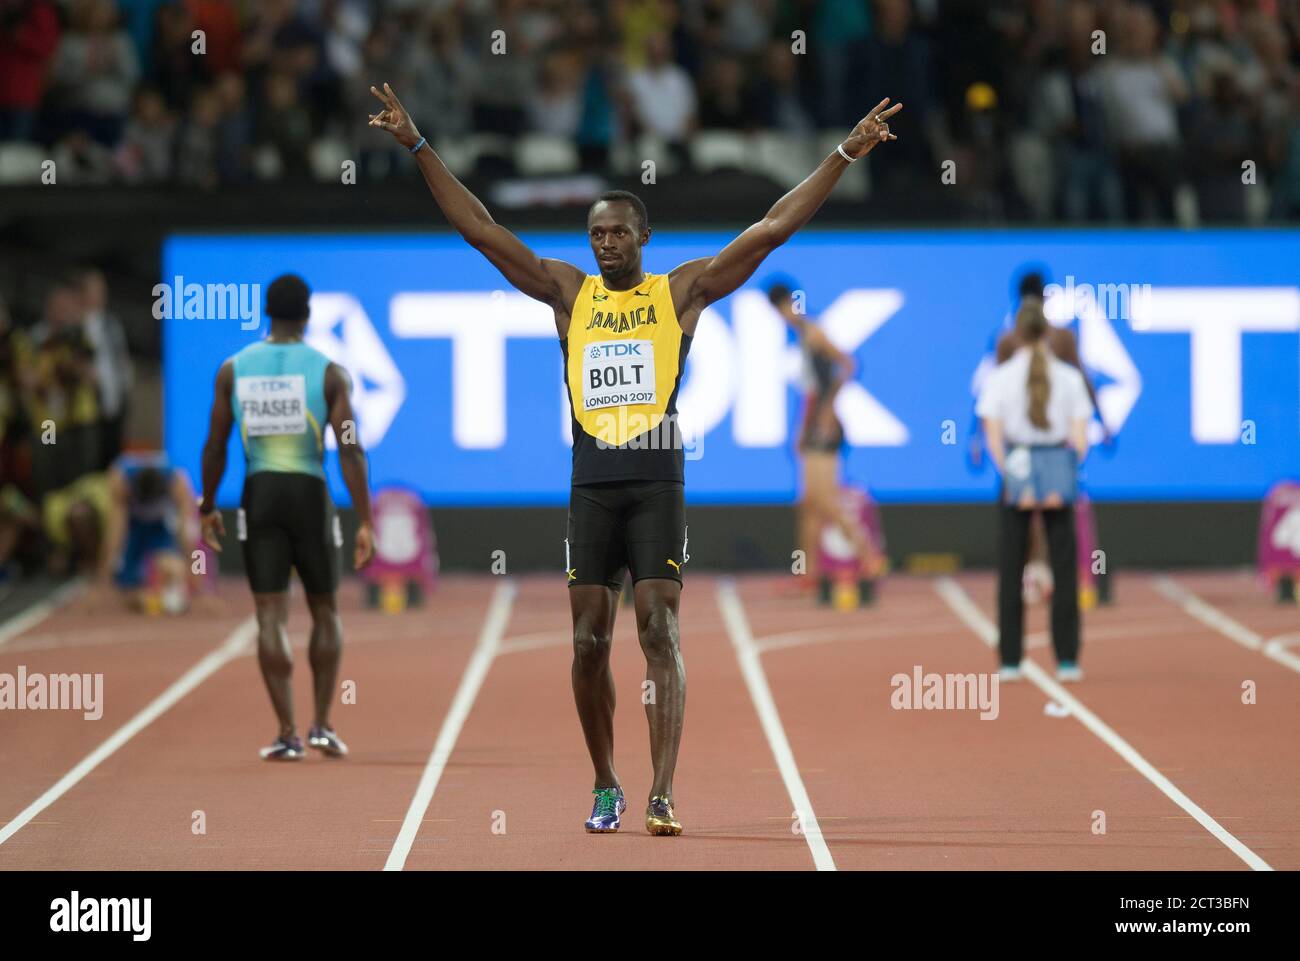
{"type": "Point", "coordinates": [1069, 673]}
{"type": "Point", "coordinates": [1009, 672]}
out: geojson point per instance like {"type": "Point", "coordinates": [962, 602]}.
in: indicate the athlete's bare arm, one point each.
{"type": "Point", "coordinates": [115, 524]}
{"type": "Point", "coordinates": [553, 282]}
{"type": "Point", "coordinates": [352, 459]}
{"type": "Point", "coordinates": [220, 422]}
{"type": "Point", "coordinates": [182, 495]}
{"type": "Point", "coordinates": [698, 283]}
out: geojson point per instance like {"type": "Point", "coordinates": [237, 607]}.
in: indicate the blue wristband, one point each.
{"type": "Point", "coordinates": [416, 148]}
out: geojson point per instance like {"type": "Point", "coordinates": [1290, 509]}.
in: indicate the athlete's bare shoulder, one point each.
{"type": "Point", "coordinates": [682, 288]}
{"type": "Point", "coordinates": [568, 281]}
{"type": "Point", "coordinates": [1007, 345]}
{"type": "Point", "coordinates": [226, 375]}
{"type": "Point", "coordinates": [1064, 345]}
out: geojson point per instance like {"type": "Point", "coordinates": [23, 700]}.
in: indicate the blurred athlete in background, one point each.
{"type": "Point", "coordinates": [821, 444]}
{"type": "Point", "coordinates": [150, 532]}
{"type": "Point", "coordinates": [281, 393]}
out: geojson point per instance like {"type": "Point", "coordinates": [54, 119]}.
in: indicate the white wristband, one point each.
{"type": "Point", "coordinates": [840, 148]}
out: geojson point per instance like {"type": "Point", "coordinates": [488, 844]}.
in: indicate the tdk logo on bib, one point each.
{"type": "Point", "coordinates": [616, 373]}
{"type": "Point", "coordinates": [273, 405]}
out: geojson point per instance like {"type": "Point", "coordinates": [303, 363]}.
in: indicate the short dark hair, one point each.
{"type": "Point", "coordinates": [288, 298]}
{"type": "Point", "coordinates": [778, 294]}
{"type": "Point", "coordinates": [1031, 285]}
{"type": "Point", "coordinates": [627, 197]}
{"type": "Point", "coordinates": [151, 484]}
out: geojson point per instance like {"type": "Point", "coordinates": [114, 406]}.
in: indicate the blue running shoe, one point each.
{"type": "Point", "coordinates": [326, 741]}
{"type": "Point", "coordinates": [605, 812]}
{"type": "Point", "coordinates": [284, 749]}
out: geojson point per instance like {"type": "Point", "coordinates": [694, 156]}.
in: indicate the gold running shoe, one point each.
{"type": "Point", "coordinates": [660, 819]}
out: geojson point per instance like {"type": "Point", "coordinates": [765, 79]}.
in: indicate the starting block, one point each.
{"type": "Point", "coordinates": [1278, 558]}
{"type": "Point", "coordinates": [404, 569]}
{"type": "Point", "coordinates": [842, 583]}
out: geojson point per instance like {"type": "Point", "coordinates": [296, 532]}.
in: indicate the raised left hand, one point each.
{"type": "Point", "coordinates": [871, 130]}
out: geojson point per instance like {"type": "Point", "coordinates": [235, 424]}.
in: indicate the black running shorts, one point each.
{"type": "Point", "coordinates": [622, 525]}
{"type": "Point", "coordinates": [287, 521]}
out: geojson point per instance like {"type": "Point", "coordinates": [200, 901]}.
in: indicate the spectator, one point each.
{"type": "Point", "coordinates": [727, 101]}
{"type": "Point", "coordinates": [780, 103]}
{"type": "Point", "coordinates": [19, 519]}
{"type": "Point", "coordinates": [1142, 90]}
{"type": "Point", "coordinates": [442, 76]}
{"type": "Point", "coordinates": [635, 22]}
{"type": "Point", "coordinates": [1067, 110]}
{"type": "Point", "coordinates": [29, 36]}
{"type": "Point", "coordinates": [663, 96]}
{"type": "Point", "coordinates": [1222, 128]}
{"type": "Point", "coordinates": [145, 155]}
{"type": "Point", "coordinates": [78, 159]}
{"type": "Point", "coordinates": [503, 77]}
{"type": "Point", "coordinates": [176, 71]}
{"type": "Point", "coordinates": [197, 142]}
{"type": "Point", "coordinates": [555, 107]}
{"type": "Point", "coordinates": [219, 22]}
{"type": "Point", "coordinates": [63, 393]}
{"type": "Point", "coordinates": [95, 71]}
{"type": "Point", "coordinates": [840, 29]}
{"type": "Point", "coordinates": [16, 381]}
{"type": "Point", "coordinates": [897, 61]}
{"type": "Point", "coordinates": [1285, 155]}
{"type": "Point", "coordinates": [284, 126]}
{"type": "Point", "coordinates": [140, 20]}
{"type": "Point", "coordinates": [234, 129]}
{"type": "Point", "coordinates": [114, 375]}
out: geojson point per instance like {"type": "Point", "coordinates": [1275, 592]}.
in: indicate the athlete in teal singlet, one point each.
{"type": "Point", "coordinates": [280, 393]}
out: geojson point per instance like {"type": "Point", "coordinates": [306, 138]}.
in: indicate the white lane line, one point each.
{"type": "Point", "coordinates": [489, 641]}
{"type": "Point", "coordinates": [39, 611]}
{"type": "Point", "coordinates": [987, 631]}
{"type": "Point", "coordinates": [848, 632]}
{"type": "Point", "coordinates": [230, 648]}
{"type": "Point", "coordinates": [751, 666]}
{"type": "Point", "coordinates": [1211, 616]}
{"type": "Point", "coordinates": [533, 642]}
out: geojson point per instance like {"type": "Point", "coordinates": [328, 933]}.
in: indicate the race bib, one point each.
{"type": "Point", "coordinates": [272, 405]}
{"type": "Point", "coordinates": [618, 372]}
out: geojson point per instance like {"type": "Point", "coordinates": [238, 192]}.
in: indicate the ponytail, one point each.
{"type": "Point", "coordinates": [1031, 324]}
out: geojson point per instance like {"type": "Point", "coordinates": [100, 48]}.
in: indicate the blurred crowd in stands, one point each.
{"type": "Point", "coordinates": [65, 387]}
{"type": "Point", "coordinates": [1083, 110]}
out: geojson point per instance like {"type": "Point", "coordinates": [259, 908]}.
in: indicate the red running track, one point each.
{"type": "Point", "coordinates": [863, 786]}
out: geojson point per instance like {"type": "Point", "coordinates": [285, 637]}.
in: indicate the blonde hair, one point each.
{"type": "Point", "coordinates": [1031, 324]}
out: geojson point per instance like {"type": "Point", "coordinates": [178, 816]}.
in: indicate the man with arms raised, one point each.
{"type": "Point", "coordinates": [624, 334]}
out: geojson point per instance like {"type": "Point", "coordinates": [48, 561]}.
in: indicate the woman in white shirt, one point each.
{"type": "Point", "coordinates": [1035, 411]}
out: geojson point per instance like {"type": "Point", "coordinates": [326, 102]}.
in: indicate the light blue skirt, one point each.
{"type": "Point", "coordinates": [1041, 470]}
